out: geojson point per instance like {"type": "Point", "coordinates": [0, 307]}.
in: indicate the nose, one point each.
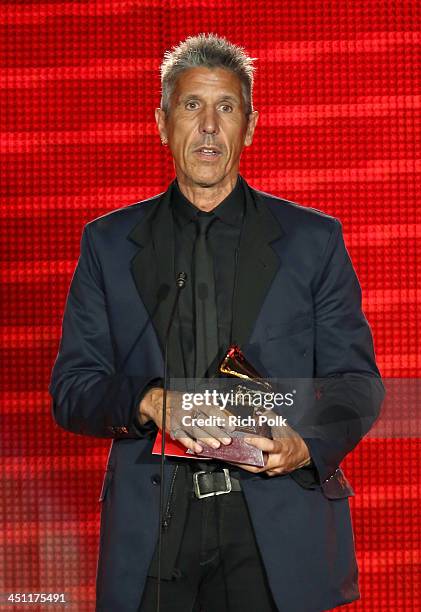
{"type": "Point", "coordinates": [209, 121]}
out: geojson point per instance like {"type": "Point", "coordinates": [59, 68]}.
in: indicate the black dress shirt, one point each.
{"type": "Point", "coordinates": [223, 240]}
{"type": "Point", "coordinates": [223, 237]}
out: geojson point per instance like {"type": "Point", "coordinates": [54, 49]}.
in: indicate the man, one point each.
{"type": "Point", "coordinates": [264, 273]}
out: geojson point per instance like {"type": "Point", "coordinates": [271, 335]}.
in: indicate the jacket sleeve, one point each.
{"type": "Point", "coordinates": [89, 396]}
{"type": "Point", "coordinates": [348, 391]}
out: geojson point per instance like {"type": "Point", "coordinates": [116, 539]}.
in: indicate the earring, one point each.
{"type": "Point", "coordinates": [164, 141]}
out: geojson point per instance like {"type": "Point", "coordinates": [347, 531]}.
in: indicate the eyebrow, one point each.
{"type": "Point", "coordinates": [227, 97]}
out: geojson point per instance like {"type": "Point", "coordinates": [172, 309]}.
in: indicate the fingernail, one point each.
{"type": "Point", "coordinates": [197, 448]}
{"type": "Point", "coordinates": [215, 444]}
{"type": "Point", "coordinates": [226, 440]}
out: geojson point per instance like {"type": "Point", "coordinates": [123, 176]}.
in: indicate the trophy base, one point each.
{"type": "Point", "coordinates": [236, 452]}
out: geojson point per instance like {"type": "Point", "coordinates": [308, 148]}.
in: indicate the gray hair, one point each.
{"type": "Point", "coordinates": [207, 51]}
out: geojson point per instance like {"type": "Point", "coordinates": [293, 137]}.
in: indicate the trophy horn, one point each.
{"type": "Point", "coordinates": [235, 364]}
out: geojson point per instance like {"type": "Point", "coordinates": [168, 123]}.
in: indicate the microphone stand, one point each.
{"type": "Point", "coordinates": [180, 284]}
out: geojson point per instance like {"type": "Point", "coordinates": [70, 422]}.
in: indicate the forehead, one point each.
{"type": "Point", "coordinates": [207, 81]}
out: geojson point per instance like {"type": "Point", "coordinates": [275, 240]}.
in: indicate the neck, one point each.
{"type": "Point", "coordinates": [206, 198]}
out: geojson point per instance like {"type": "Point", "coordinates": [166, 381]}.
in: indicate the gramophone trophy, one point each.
{"type": "Point", "coordinates": [245, 410]}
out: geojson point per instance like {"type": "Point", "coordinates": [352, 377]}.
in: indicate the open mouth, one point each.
{"type": "Point", "coordinates": [208, 153]}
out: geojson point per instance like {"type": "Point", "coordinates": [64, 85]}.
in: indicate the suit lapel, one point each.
{"type": "Point", "coordinates": [153, 267]}
{"type": "Point", "coordinates": [257, 264]}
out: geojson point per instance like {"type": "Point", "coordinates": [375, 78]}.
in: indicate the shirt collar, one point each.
{"type": "Point", "coordinates": [230, 210]}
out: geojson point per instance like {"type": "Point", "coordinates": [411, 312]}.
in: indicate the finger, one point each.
{"type": "Point", "coordinates": [211, 442]}
{"type": "Point", "coordinates": [213, 420]}
{"type": "Point", "coordinates": [179, 431]}
{"type": "Point", "coordinates": [275, 462]}
{"type": "Point", "coordinates": [276, 472]}
{"type": "Point", "coordinates": [215, 433]}
{"type": "Point", "coordinates": [190, 444]}
{"type": "Point", "coordinates": [216, 411]}
{"type": "Point", "coordinates": [244, 466]}
{"type": "Point", "coordinates": [209, 419]}
{"type": "Point", "coordinates": [202, 436]}
{"type": "Point", "coordinates": [264, 444]}
{"type": "Point", "coordinates": [185, 437]}
{"type": "Point", "coordinates": [281, 433]}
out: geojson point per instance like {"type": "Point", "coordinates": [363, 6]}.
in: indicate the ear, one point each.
{"type": "Point", "coordinates": [160, 119]}
{"type": "Point", "coordinates": [251, 126]}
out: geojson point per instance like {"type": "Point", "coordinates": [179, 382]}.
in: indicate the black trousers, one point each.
{"type": "Point", "coordinates": [219, 565]}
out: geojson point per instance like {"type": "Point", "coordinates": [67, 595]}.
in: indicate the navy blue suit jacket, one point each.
{"type": "Point", "coordinates": [297, 313]}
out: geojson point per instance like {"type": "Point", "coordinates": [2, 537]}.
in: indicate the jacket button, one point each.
{"type": "Point", "coordinates": [156, 479]}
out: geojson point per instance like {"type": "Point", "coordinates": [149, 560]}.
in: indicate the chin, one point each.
{"type": "Point", "coordinates": [207, 179]}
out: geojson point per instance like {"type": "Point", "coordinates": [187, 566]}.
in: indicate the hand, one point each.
{"type": "Point", "coordinates": [185, 431]}
{"type": "Point", "coordinates": [286, 452]}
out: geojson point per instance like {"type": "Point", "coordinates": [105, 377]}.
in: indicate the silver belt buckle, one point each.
{"type": "Point", "coordinates": [196, 484]}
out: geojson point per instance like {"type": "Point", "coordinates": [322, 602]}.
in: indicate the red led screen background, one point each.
{"type": "Point", "coordinates": [339, 94]}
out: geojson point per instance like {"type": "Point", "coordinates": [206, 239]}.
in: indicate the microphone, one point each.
{"type": "Point", "coordinates": [180, 284]}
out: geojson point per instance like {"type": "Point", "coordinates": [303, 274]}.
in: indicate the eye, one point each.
{"type": "Point", "coordinates": [189, 105]}
{"type": "Point", "coordinates": [226, 108]}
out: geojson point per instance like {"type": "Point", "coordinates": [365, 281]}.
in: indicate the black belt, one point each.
{"type": "Point", "coordinates": [219, 482]}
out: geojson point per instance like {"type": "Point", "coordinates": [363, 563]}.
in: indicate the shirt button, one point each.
{"type": "Point", "coordinates": [156, 479]}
